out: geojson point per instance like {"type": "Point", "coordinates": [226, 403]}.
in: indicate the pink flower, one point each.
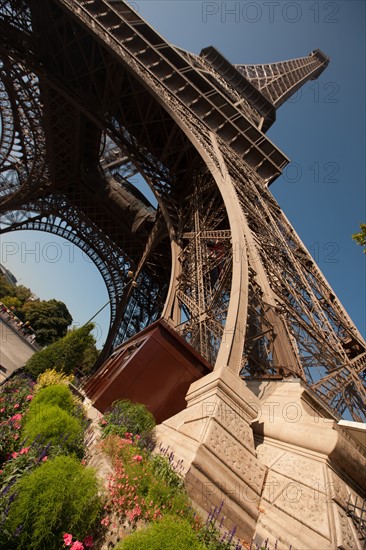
{"type": "Point", "coordinates": [88, 541]}
{"type": "Point", "coordinates": [77, 546]}
{"type": "Point", "coordinates": [16, 406]}
{"type": "Point", "coordinates": [14, 454]}
{"type": "Point", "coordinates": [67, 539]}
{"type": "Point", "coordinates": [29, 397]}
{"type": "Point", "coordinates": [2, 410]}
{"type": "Point", "coordinates": [105, 521]}
{"type": "Point", "coordinates": [137, 458]}
{"type": "Point", "coordinates": [103, 422]}
{"type": "Point", "coordinates": [17, 416]}
{"type": "Point", "coordinates": [44, 458]}
{"type": "Point", "coordinates": [24, 450]}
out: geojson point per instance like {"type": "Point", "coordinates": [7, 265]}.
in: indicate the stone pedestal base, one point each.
{"type": "Point", "coordinates": [316, 469]}
{"type": "Point", "coordinates": [292, 475]}
{"type": "Point", "coordinates": [214, 439]}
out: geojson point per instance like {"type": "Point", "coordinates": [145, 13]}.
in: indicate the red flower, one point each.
{"type": "Point", "coordinates": [14, 454]}
{"type": "Point", "coordinates": [88, 541]}
{"type": "Point", "coordinates": [16, 406]}
{"type": "Point", "coordinates": [29, 397]}
{"type": "Point", "coordinates": [44, 458]}
{"type": "Point", "coordinates": [17, 416]}
{"type": "Point", "coordinates": [24, 450]}
{"type": "Point", "coordinates": [137, 458]}
{"type": "Point", "coordinates": [77, 546]}
{"type": "Point", "coordinates": [67, 539]}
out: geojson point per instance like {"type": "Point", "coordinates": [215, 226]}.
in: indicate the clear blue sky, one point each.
{"type": "Point", "coordinates": [322, 131]}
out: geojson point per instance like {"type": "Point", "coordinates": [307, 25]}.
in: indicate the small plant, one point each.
{"type": "Point", "coordinates": [169, 533]}
{"type": "Point", "coordinates": [50, 424]}
{"type": "Point", "coordinates": [58, 395]}
{"type": "Point", "coordinates": [15, 397]}
{"type": "Point", "coordinates": [214, 537]}
{"type": "Point", "coordinates": [125, 416]}
{"type": "Point", "coordinates": [60, 496]}
{"type": "Point", "coordinates": [52, 377]}
{"type": "Point", "coordinates": [164, 469]}
{"type": "Point", "coordinates": [142, 487]}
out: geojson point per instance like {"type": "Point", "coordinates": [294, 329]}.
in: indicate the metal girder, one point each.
{"type": "Point", "coordinates": [279, 81]}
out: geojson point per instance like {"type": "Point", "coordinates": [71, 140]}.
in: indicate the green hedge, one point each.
{"type": "Point", "coordinates": [65, 355]}
{"type": "Point", "coordinates": [61, 496]}
{"type": "Point", "coordinates": [57, 394]}
{"type": "Point", "coordinates": [51, 424]}
{"type": "Point", "coordinates": [169, 533]}
{"type": "Point", "coordinates": [125, 416]}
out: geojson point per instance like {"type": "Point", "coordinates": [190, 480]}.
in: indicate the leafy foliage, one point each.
{"type": "Point", "coordinates": [140, 487]}
{"type": "Point", "coordinates": [164, 469]}
{"type": "Point", "coordinates": [12, 302]}
{"type": "Point", "coordinates": [49, 319]}
{"type": "Point", "coordinates": [51, 424]}
{"type": "Point", "coordinates": [14, 296]}
{"type": "Point", "coordinates": [125, 416]}
{"type": "Point", "coordinates": [360, 238]}
{"type": "Point", "coordinates": [15, 397]}
{"type": "Point", "coordinates": [61, 495]}
{"type": "Point", "coordinates": [88, 360]}
{"type": "Point", "coordinates": [63, 356]}
{"type": "Point", "coordinates": [169, 533]}
{"type": "Point", "coordinates": [58, 395]}
{"type": "Point", "coordinates": [52, 377]}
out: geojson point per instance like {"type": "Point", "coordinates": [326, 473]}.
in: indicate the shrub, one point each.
{"type": "Point", "coordinates": [169, 533]}
{"type": "Point", "coordinates": [125, 416]}
{"type": "Point", "coordinates": [61, 496]}
{"type": "Point", "coordinates": [64, 355]}
{"type": "Point", "coordinates": [15, 396]}
{"type": "Point", "coordinates": [58, 395]}
{"type": "Point", "coordinates": [52, 377]}
{"type": "Point", "coordinates": [139, 487]}
{"type": "Point", "coordinates": [164, 468]}
{"type": "Point", "coordinates": [50, 424]}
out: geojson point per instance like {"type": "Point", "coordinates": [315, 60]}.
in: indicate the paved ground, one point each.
{"type": "Point", "coordinates": [14, 350]}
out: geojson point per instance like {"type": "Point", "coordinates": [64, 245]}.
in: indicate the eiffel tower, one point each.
{"type": "Point", "coordinates": [91, 95]}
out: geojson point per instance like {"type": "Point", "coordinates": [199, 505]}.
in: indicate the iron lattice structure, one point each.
{"type": "Point", "coordinates": [90, 95]}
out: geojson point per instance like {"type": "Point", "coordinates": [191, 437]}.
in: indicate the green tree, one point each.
{"type": "Point", "coordinates": [89, 359]}
{"type": "Point", "coordinates": [49, 319]}
{"type": "Point", "coordinates": [12, 302]}
{"type": "Point", "coordinates": [14, 296]}
{"type": "Point", "coordinates": [6, 288]}
{"type": "Point", "coordinates": [360, 237]}
{"type": "Point", "coordinates": [65, 355]}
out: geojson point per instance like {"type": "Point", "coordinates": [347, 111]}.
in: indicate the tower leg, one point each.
{"type": "Point", "coordinates": [214, 438]}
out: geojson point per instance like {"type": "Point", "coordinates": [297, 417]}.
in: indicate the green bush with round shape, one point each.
{"type": "Point", "coordinates": [51, 424]}
{"type": "Point", "coordinates": [58, 394]}
{"type": "Point", "coordinates": [126, 416]}
{"type": "Point", "coordinates": [61, 496]}
{"type": "Point", "coordinates": [169, 533]}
